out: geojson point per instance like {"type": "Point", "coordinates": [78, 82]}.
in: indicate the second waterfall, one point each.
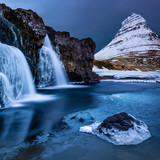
{"type": "Point", "coordinates": [51, 69]}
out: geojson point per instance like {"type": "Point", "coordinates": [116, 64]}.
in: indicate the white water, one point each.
{"type": "Point", "coordinates": [15, 67]}
{"type": "Point", "coordinates": [50, 66]}
{"type": "Point", "coordinates": [6, 90]}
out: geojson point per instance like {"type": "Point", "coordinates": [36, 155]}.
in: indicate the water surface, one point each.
{"type": "Point", "coordinates": [37, 130]}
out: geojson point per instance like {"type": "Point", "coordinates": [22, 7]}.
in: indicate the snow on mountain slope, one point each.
{"type": "Point", "coordinates": [135, 36]}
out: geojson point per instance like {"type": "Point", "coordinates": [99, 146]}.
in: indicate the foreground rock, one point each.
{"type": "Point", "coordinates": [134, 47]}
{"type": "Point", "coordinates": [120, 129]}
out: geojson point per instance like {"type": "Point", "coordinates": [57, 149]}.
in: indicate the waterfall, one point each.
{"type": "Point", "coordinates": [15, 68]}
{"type": "Point", "coordinates": [50, 67]}
{"type": "Point", "coordinates": [6, 91]}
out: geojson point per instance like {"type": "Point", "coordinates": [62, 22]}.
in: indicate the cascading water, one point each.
{"type": "Point", "coordinates": [6, 91]}
{"type": "Point", "coordinates": [15, 68]}
{"type": "Point", "coordinates": [51, 69]}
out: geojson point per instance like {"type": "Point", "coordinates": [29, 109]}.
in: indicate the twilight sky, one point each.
{"type": "Point", "coordinates": [98, 19]}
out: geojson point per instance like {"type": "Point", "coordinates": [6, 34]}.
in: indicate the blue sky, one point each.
{"type": "Point", "coordinates": [98, 19]}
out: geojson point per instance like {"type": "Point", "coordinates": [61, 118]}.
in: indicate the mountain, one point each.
{"type": "Point", "coordinates": [135, 46]}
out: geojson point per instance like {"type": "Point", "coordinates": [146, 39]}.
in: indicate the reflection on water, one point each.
{"type": "Point", "coordinates": [39, 114]}
{"type": "Point", "coordinates": [34, 129]}
{"type": "Point", "coordinates": [14, 125]}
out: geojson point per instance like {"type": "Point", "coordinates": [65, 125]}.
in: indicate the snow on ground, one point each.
{"type": "Point", "coordinates": [128, 76]}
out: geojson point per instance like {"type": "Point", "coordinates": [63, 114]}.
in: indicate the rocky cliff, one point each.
{"type": "Point", "coordinates": [135, 46]}
{"type": "Point", "coordinates": [76, 55]}
{"type": "Point", "coordinates": [26, 30]}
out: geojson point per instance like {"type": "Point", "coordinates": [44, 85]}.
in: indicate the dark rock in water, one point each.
{"type": "Point", "coordinates": [121, 121]}
{"type": "Point", "coordinates": [120, 129]}
{"type": "Point", "coordinates": [30, 33]}
{"type": "Point", "coordinates": [76, 55]}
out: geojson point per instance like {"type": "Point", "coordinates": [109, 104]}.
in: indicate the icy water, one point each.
{"type": "Point", "coordinates": [47, 127]}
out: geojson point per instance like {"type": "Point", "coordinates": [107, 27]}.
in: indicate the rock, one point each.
{"type": "Point", "coordinates": [30, 33]}
{"type": "Point", "coordinates": [8, 32]}
{"type": "Point", "coordinates": [29, 23]}
{"type": "Point", "coordinates": [121, 121]}
{"type": "Point", "coordinates": [76, 55]}
{"type": "Point", "coordinates": [134, 47]}
{"type": "Point", "coordinates": [120, 129]}
{"type": "Point", "coordinates": [145, 62]}
{"type": "Point", "coordinates": [116, 65]}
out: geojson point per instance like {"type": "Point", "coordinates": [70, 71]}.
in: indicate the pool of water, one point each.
{"type": "Point", "coordinates": [42, 128]}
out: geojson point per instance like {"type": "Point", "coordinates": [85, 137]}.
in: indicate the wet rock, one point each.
{"type": "Point", "coordinates": [121, 121]}
{"type": "Point", "coordinates": [120, 129]}
{"type": "Point", "coordinates": [8, 32]}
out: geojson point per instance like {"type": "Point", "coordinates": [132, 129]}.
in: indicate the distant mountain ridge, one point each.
{"type": "Point", "coordinates": [135, 44]}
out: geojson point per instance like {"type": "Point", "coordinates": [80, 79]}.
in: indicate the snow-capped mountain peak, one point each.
{"type": "Point", "coordinates": [134, 36]}
{"type": "Point", "coordinates": [133, 20]}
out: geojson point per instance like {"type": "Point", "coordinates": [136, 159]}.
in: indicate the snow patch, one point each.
{"type": "Point", "coordinates": [134, 76]}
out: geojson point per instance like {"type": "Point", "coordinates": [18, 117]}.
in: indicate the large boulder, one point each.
{"type": "Point", "coordinates": [119, 129]}
{"type": "Point", "coordinates": [76, 55]}
{"type": "Point", "coordinates": [121, 121]}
